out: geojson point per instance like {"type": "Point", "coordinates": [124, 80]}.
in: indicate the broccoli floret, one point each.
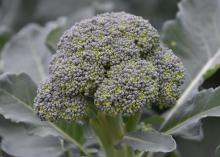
{"type": "Point", "coordinates": [113, 62]}
{"type": "Point", "coordinates": [128, 88]}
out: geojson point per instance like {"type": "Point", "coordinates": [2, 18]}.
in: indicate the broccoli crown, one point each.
{"type": "Point", "coordinates": [113, 62]}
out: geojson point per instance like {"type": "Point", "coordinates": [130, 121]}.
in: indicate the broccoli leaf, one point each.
{"type": "Point", "coordinates": [16, 96]}
{"type": "Point", "coordinates": [15, 14]}
{"type": "Point", "coordinates": [27, 52]}
{"type": "Point", "coordinates": [17, 141]}
{"type": "Point", "coordinates": [217, 151]}
{"type": "Point", "coordinates": [195, 37]}
{"type": "Point", "coordinates": [53, 38]}
{"type": "Point", "coordinates": [12, 98]}
{"type": "Point", "coordinates": [150, 141]}
{"type": "Point", "coordinates": [207, 146]}
{"type": "Point", "coordinates": [202, 105]}
{"type": "Point", "coordinates": [4, 36]}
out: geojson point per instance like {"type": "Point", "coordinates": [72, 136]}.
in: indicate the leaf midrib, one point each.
{"type": "Point", "coordinates": [170, 131]}
{"type": "Point", "coordinates": [16, 98]}
{"type": "Point", "coordinates": [139, 140]}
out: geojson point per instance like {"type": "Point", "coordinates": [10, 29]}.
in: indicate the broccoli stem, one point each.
{"type": "Point", "coordinates": [132, 121]}
{"type": "Point", "coordinates": [109, 130]}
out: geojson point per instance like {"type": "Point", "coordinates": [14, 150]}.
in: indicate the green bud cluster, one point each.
{"type": "Point", "coordinates": [113, 61]}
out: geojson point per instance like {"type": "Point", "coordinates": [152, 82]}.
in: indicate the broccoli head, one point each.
{"type": "Point", "coordinates": [113, 62]}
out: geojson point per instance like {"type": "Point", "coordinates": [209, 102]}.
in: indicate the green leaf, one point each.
{"type": "Point", "coordinates": [217, 151]}
{"type": "Point", "coordinates": [3, 154]}
{"type": "Point", "coordinates": [59, 8]}
{"type": "Point", "coordinates": [4, 37]}
{"type": "Point", "coordinates": [16, 99]}
{"type": "Point", "coordinates": [151, 141]}
{"type": "Point", "coordinates": [53, 38]}
{"type": "Point", "coordinates": [211, 72]}
{"type": "Point", "coordinates": [17, 141]}
{"type": "Point", "coordinates": [15, 14]}
{"type": "Point", "coordinates": [207, 146]}
{"type": "Point", "coordinates": [194, 37]}
{"type": "Point", "coordinates": [154, 120]}
{"type": "Point", "coordinates": [16, 95]}
{"type": "Point", "coordinates": [27, 52]}
{"type": "Point", "coordinates": [204, 104]}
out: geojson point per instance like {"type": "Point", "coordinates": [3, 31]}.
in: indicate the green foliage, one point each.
{"type": "Point", "coordinates": [4, 37]}
{"type": "Point", "coordinates": [193, 35]}
{"type": "Point", "coordinates": [207, 146]}
{"type": "Point", "coordinates": [16, 137]}
{"type": "Point", "coordinates": [182, 39]}
{"type": "Point", "coordinates": [29, 43]}
{"type": "Point", "coordinates": [204, 104]}
{"type": "Point", "coordinates": [152, 141]}
{"type": "Point", "coordinates": [53, 38]}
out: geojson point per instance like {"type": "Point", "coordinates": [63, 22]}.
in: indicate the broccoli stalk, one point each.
{"type": "Point", "coordinates": [109, 131]}
{"type": "Point", "coordinates": [112, 65]}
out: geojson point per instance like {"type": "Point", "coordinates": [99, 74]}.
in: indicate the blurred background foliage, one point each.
{"type": "Point", "coordinates": [15, 14]}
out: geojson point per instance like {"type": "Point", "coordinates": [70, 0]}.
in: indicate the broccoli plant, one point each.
{"type": "Point", "coordinates": [112, 87]}
{"type": "Point", "coordinates": [106, 69]}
